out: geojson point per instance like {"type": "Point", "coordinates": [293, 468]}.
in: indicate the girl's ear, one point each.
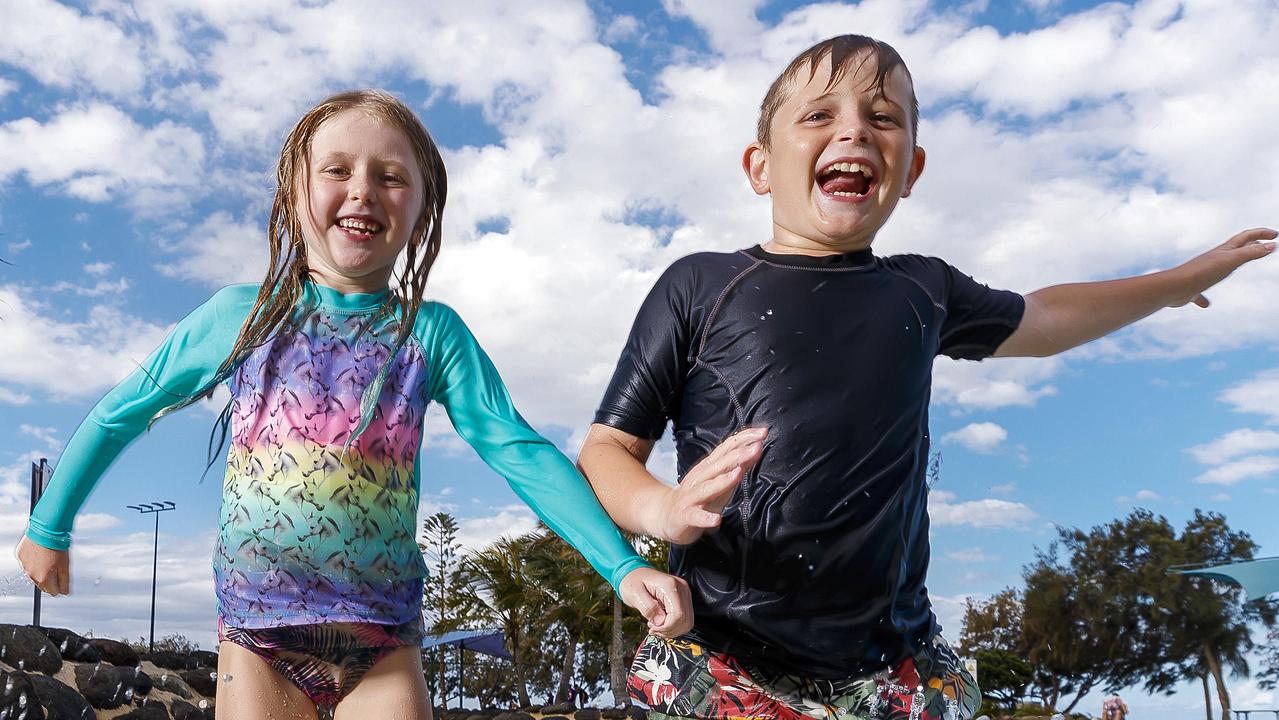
{"type": "Point", "coordinates": [755, 165]}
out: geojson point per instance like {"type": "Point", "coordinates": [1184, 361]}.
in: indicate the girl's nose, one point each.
{"type": "Point", "coordinates": [359, 192]}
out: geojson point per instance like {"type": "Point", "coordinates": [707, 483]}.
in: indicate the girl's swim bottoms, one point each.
{"type": "Point", "coordinates": [326, 661]}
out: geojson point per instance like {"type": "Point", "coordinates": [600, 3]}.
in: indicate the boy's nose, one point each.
{"type": "Point", "coordinates": [855, 132]}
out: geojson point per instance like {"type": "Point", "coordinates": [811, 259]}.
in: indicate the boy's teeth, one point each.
{"type": "Point", "coordinates": [850, 168]}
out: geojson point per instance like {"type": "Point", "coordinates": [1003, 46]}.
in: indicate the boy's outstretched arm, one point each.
{"type": "Point", "coordinates": [613, 462]}
{"type": "Point", "coordinates": [1061, 317]}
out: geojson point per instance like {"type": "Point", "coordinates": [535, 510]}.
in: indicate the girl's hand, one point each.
{"type": "Point", "coordinates": [1213, 266]}
{"type": "Point", "coordinates": [49, 569]}
{"type": "Point", "coordinates": [694, 505]}
{"type": "Point", "coordinates": [662, 599]}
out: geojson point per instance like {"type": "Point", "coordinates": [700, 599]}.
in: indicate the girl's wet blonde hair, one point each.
{"type": "Point", "coordinates": [287, 270]}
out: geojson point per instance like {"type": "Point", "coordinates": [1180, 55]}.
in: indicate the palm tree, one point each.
{"type": "Point", "coordinates": [496, 581]}
{"type": "Point", "coordinates": [575, 597]}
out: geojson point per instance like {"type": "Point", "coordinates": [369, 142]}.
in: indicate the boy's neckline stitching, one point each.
{"type": "Point", "coordinates": [759, 254]}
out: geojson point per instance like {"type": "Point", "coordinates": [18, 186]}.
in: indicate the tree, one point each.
{"type": "Point", "coordinates": [442, 589]}
{"type": "Point", "coordinates": [992, 635]}
{"type": "Point", "coordinates": [494, 582]}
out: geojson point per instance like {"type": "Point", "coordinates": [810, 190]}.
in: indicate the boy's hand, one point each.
{"type": "Point", "coordinates": [49, 569]}
{"type": "Point", "coordinates": [662, 599]}
{"type": "Point", "coordinates": [1213, 266]}
{"type": "Point", "coordinates": [694, 505]}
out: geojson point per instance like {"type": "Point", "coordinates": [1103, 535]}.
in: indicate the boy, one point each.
{"type": "Point", "coordinates": [797, 375]}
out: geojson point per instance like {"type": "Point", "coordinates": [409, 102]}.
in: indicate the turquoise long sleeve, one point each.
{"type": "Point", "coordinates": [183, 364]}
{"type": "Point", "coordinates": [466, 384]}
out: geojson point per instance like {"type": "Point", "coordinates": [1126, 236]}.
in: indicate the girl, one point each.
{"type": "Point", "coordinates": [317, 572]}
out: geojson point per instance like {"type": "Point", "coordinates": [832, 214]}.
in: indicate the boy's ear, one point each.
{"type": "Point", "coordinates": [755, 164]}
{"type": "Point", "coordinates": [916, 169]}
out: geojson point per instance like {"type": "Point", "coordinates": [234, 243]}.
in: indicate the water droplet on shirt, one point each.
{"type": "Point", "coordinates": [22, 700]}
{"type": "Point", "coordinates": [22, 664]}
{"type": "Point", "coordinates": [761, 317]}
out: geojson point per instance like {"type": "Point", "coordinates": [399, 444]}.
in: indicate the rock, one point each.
{"type": "Point", "coordinates": [554, 717]}
{"type": "Point", "coordinates": [150, 711]}
{"type": "Point", "coordinates": [102, 685]}
{"type": "Point", "coordinates": [71, 646]}
{"type": "Point", "coordinates": [513, 716]}
{"type": "Point", "coordinates": [61, 702]}
{"type": "Point", "coordinates": [477, 716]}
{"type": "Point", "coordinates": [18, 696]}
{"type": "Point", "coordinates": [613, 713]}
{"type": "Point", "coordinates": [560, 709]}
{"type": "Point", "coordinates": [587, 714]}
{"type": "Point", "coordinates": [202, 681]}
{"type": "Point", "coordinates": [115, 652]}
{"type": "Point", "coordinates": [28, 650]}
{"type": "Point", "coordinates": [187, 711]}
{"type": "Point", "coordinates": [136, 679]}
{"type": "Point", "coordinates": [172, 682]}
{"type": "Point", "coordinates": [170, 660]}
{"type": "Point", "coordinates": [636, 712]}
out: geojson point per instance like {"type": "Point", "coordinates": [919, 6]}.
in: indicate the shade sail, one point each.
{"type": "Point", "coordinates": [488, 641]}
{"type": "Point", "coordinates": [1258, 578]}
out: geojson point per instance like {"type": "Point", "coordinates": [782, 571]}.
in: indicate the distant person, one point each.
{"type": "Point", "coordinates": [797, 376]}
{"type": "Point", "coordinates": [1114, 708]}
{"type": "Point", "coordinates": [317, 572]}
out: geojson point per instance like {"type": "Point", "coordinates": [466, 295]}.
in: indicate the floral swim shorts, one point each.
{"type": "Point", "coordinates": [681, 679]}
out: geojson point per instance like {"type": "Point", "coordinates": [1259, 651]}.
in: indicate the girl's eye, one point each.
{"type": "Point", "coordinates": [392, 178]}
{"type": "Point", "coordinates": [335, 171]}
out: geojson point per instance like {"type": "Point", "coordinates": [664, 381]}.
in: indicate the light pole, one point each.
{"type": "Point", "coordinates": [40, 474]}
{"type": "Point", "coordinates": [156, 508]}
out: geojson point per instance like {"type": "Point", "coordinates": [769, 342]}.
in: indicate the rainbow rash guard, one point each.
{"type": "Point", "coordinates": [313, 531]}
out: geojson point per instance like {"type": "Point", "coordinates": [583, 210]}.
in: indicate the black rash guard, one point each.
{"type": "Point", "coordinates": [818, 566]}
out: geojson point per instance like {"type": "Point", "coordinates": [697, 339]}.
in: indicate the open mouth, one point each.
{"type": "Point", "coordinates": [847, 179]}
{"type": "Point", "coordinates": [359, 227]}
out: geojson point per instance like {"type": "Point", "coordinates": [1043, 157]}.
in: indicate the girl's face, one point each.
{"type": "Point", "coordinates": [361, 202]}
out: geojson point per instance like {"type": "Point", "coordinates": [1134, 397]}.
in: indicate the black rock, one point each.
{"type": "Point", "coordinates": [61, 702]}
{"type": "Point", "coordinates": [27, 649]}
{"type": "Point", "coordinates": [115, 652]}
{"type": "Point", "coordinates": [614, 713]}
{"type": "Point", "coordinates": [560, 709]}
{"type": "Point", "coordinates": [554, 717]}
{"type": "Point", "coordinates": [588, 714]}
{"type": "Point", "coordinates": [103, 685]}
{"type": "Point", "coordinates": [187, 711]}
{"type": "Point", "coordinates": [150, 711]}
{"type": "Point", "coordinates": [202, 681]}
{"type": "Point", "coordinates": [18, 696]}
{"type": "Point", "coordinates": [636, 712]}
{"type": "Point", "coordinates": [137, 679]}
{"type": "Point", "coordinates": [513, 716]}
{"type": "Point", "coordinates": [172, 682]}
{"type": "Point", "coordinates": [70, 645]}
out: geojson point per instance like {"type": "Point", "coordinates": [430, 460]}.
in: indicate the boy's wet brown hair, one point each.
{"type": "Point", "coordinates": [843, 51]}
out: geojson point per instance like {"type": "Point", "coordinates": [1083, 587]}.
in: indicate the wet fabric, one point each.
{"type": "Point", "coordinates": [818, 566]}
{"type": "Point", "coordinates": [312, 531]}
{"type": "Point", "coordinates": [682, 679]}
{"type": "Point", "coordinates": [325, 661]}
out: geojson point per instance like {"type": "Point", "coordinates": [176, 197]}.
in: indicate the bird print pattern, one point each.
{"type": "Point", "coordinates": [311, 532]}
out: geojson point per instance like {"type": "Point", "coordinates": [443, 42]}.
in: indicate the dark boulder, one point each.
{"type": "Point", "coordinates": [70, 645]}
{"type": "Point", "coordinates": [150, 711]}
{"type": "Point", "coordinates": [513, 716]}
{"type": "Point", "coordinates": [205, 659]}
{"type": "Point", "coordinates": [187, 711]}
{"type": "Point", "coordinates": [28, 650]}
{"type": "Point", "coordinates": [115, 652]}
{"type": "Point", "coordinates": [172, 682]}
{"type": "Point", "coordinates": [587, 714]}
{"type": "Point", "coordinates": [170, 660]}
{"type": "Point", "coordinates": [560, 709]}
{"type": "Point", "coordinates": [102, 685]}
{"type": "Point", "coordinates": [18, 696]}
{"type": "Point", "coordinates": [202, 681]}
{"type": "Point", "coordinates": [61, 702]}
{"type": "Point", "coordinates": [635, 712]}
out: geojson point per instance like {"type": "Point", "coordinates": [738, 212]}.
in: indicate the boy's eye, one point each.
{"type": "Point", "coordinates": [816, 115]}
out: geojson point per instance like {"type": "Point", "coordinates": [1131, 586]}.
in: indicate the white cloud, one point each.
{"type": "Point", "coordinates": [7, 86]}
{"type": "Point", "coordinates": [101, 288]}
{"type": "Point", "coordinates": [98, 268]}
{"type": "Point", "coordinates": [68, 359]}
{"type": "Point", "coordinates": [62, 47]}
{"type": "Point", "coordinates": [985, 437]}
{"type": "Point", "coordinates": [1220, 497]}
{"type": "Point", "coordinates": [46, 435]}
{"type": "Point", "coordinates": [220, 251]}
{"type": "Point", "coordinates": [1246, 467]}
{"type": "Point", "coordinates": [477, 533]}
{"type": "Point", "coordinates": [726, 22]}
{"type": "Point", "coordinates": [1235, 443]}
{"type": "Point", "coordinates": [96, 153]}
{"type": "Point", "coordinates": [994, 383]}
{"type": "Point", "coordinates": [1260, 395]}
{"type": "Point", "coordinates": [1148, 495]}
{"type": "Point", "coordinates": [970, 555]}
{"type": "Point", "coordinates": [985, 513]}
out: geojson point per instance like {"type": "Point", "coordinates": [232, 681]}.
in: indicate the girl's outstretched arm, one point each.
{"type": "Point", "coordinates": [1060, 317]}
{"type": "Point", "coordinates": [465, 383]}
{"type": "Point", "coordinates": [183, 364]}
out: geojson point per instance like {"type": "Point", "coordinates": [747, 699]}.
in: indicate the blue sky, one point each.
{"type": "Point", "coordinates": [591, 143]}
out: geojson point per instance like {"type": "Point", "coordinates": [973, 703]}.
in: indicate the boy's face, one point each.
{"type": "Point", "coordinates": [839, 159]}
